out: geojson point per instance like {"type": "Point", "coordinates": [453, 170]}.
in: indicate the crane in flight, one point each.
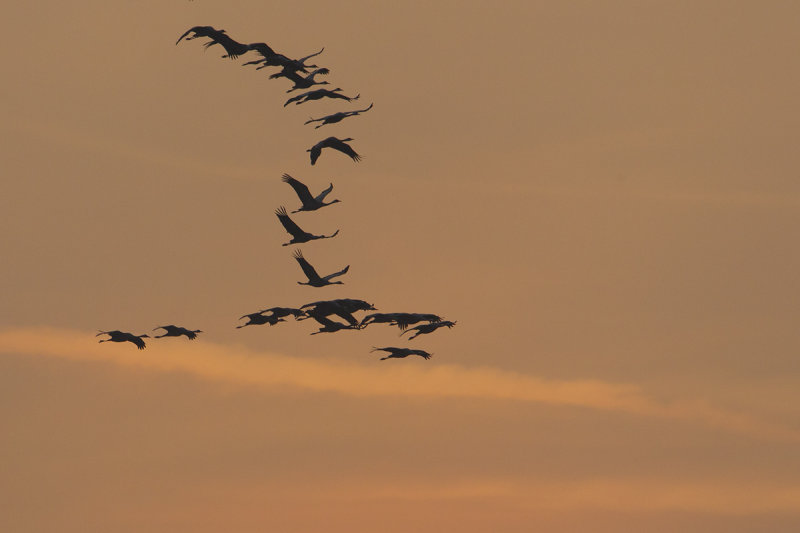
{"type": "Point", "coordinates": [257, 319]}
{"type": "Point", "coordinates": [310, 203]}
{"type": "Point", "coordinates": [336, 117]}
{"type": "Point", "coordinates": [280, 312]}
{"type": "Point", "coordinates": [335, 143]}
{"type": "Point", "coordinates": [232, 47]}
{"type": "Point", "coordinates": [399, 353]}
{"type": "Point", "coordinates": [301, 82]}
{"type": "Point", "coordinates": [177, 331]}
{"type": "Point", "coordinates": [427, 328]}
{"type": "Point", "coordinates": [318, 94]}
{"type": "Point", "coordinates": [328, 325]}
{"type": "Point", "coordinates": [314, 279]}
{"type": "Point", "coordinates": [298, 235]}
{"type": "Point", "coordinates": [401, 320]}
{"type": "Point", "coordinates": [270, 58]}
{"type": "Point", "coordinates": [124, 336]}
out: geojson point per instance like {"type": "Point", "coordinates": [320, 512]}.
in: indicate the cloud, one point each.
{"type": "Point", "coordinates": [239, 365]}
{"type": "Point", "coordinates": [622, 494]}
{"type": "Point", "coordinates": [617, 494]}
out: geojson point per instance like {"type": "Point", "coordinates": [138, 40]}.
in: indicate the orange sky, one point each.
{"type": "Point", "coordinates": [603, 195]}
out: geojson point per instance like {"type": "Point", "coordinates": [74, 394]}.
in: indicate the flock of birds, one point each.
{"type": "Point", "coordinates": [298, 72]}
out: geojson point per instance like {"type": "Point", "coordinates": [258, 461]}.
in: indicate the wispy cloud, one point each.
{"type": "Point", "coordinates": [617, 494]}
{"type": "Point", "coordinates": [236, 364]}
{"type": "Point", "coordinates": [625, 495]}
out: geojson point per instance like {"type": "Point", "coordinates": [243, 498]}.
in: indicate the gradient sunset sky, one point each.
{"type": "Point", "coordinates": [603, 195]}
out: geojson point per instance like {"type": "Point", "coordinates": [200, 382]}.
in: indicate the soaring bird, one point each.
{"type": "Point", "coordinates": [335, 143]}
{"type": "Point", "coordinates": [428, 328]}
{"type": "Point", "coordinates": [336, 117]}
{"type": "Point", "coordinates": [310, 203]}
{"type": "Point", "coordinates": [330, 326]}
{"type": "Point", "coordinates": [233, 48]}
{"type": "Point", "coordinates": [122, 336]}
{"type": "Point", "coordinates": [301, 82]}
{"type": "Point", "coordinates": [401, 320]}
{"type": "Point", "coordinates": [399, 353]}
{"type": "Point", "coordinates": [262, 48]}
{"type": "Point", "coordinates": [200, 31]}
{"type": "Point", "coordinates": [314, 279]}
{"type": "Point", "coordinates": [279, 312]}
{"type": "Point", "coordinates": [378, 318]}
{"type": "Point", "coordinates": [177, 331]}
{"type": "Point", "coordinates": [257, 319]}
{"type": "Point", "coordinates": [318, 94]}
{"type": "Point", "coordinates": [270, 58]}
{"type": "Point", "coordinates": [298, 236]}
{"type": "Point", "coordinates": [343, 307]}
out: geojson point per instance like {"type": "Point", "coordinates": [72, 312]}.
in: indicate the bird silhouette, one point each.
{"type": "Point", "coordinates": [298, 235]}
{"type": "Point", "coordinates": [335, 143]}
{"type": "Point", "coordinates": [310, 203]}
{"type": "Point", "coordinates": [401, 320]}
{"type": "Point", "coordinates": [200, 31]}
{"type": "Point", "coordinates": [301, 82]}
{"type": "Point", "coordinates": [337, 117]}
{"type": "Point", "coordinates": [257, 319]}
{"type": "Point", "coordinates": [317, 94]}
{"type": "Point", "coordinates": [123, 336]}
{"type": "Point", "coordinates": [177, 331]}
{"type": "Point", "coordinates": [233, 48]}
{"type": "Point", "coordinates": [270, 58]}
{"type": "Point", "coordinates": [343, 307]}
{"type": "Point", "coordinates": [280, 312]}
{"type": "Point", "coordinates": [399, 353]}
{"type": "Point", "coordinates": [428, 328]}
{"type": "Point", "coordinates": [378, 318]}
{"type": "Point", "coordinates": [262, 48]}
{"type": "Point", "coordinates": [328, 325]}
{"type": "Point", "coordinates": [314, 279]}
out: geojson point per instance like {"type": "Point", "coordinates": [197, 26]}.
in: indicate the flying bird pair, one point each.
{"type": "Point", "coordinates": [235, 49]}
{"type": "Point", "coordinates": [169, 331]}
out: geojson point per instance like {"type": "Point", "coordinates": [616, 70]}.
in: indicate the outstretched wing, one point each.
{"type": "Point", "coordinates": [409, 330]}
{"type": "Point", "coordinates": [315, 152]}
{"type": "Point", "coordinates": [190, 30]}
{"type": "Point", "coordinates": [290, 74]}
{"type": "Point", "coordinates": [345, 149]}
{"type": "Point", "coordinates": [308, 270]}
{"type": "Point", "coordinates": [263, 49]}
{"type": "Point", "coordinates": [233, 48]}
{"type": "Point", "coordinates": [303, 59]}
{"type": "Point", "coordinates": [300, 188]}
{"type": "Point", "coordinates": [347, 316]}
{"type": "Point", "coordinates": [336, 274]}
{"type": "Point", "coordinates": [321, 196]}
{"type": "Point", "coordinates": [293, 229]}
{"type": "Point", "coordinates": [137, 341]}
{"type": "Point", "coordinates": [376, 349]}
{"type": "Point", "coordinates": [295, 99]}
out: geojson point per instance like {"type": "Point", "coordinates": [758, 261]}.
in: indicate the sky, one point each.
{"type": "Point", "coordinates": [602, 195]}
